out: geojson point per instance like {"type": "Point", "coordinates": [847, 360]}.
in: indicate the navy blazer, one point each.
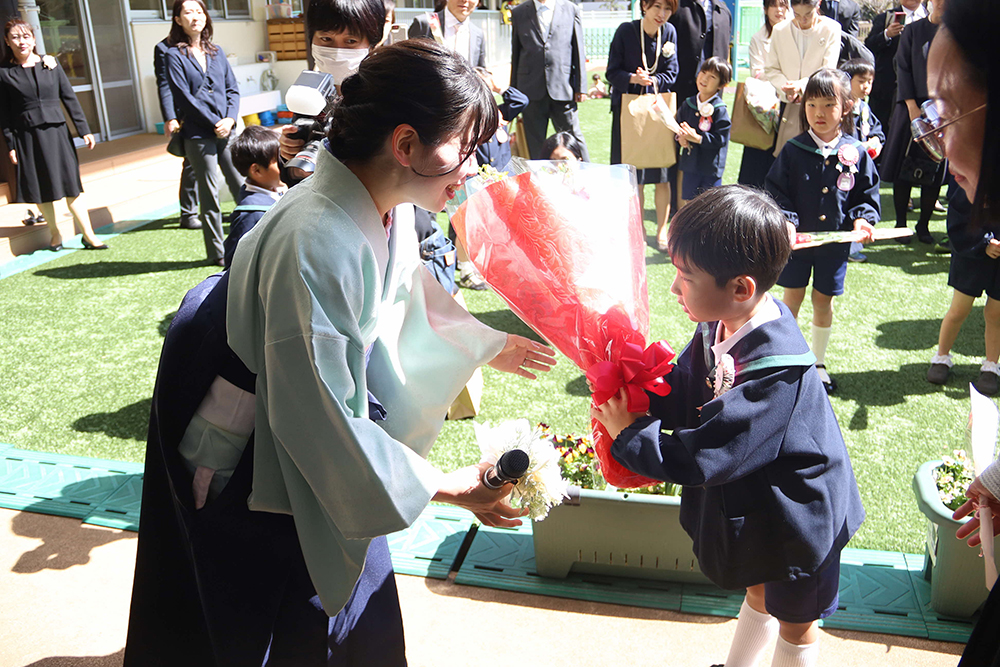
{"type": "Point", "coordinates": [421, 27]}
{"type": "Point", "coordinates": [911, 61]}
{"type": "Point", "coordinates": [866, 123]}
{"type": "Point", "coordinates": [689, 19]}
{"type": "Point", "coordinates": [846, 12]}
{"type": "Point", "coordinates": [242, 220]}
{"type": "Point", "coordinates": [708, 157]}
{"type": "Point", "coordinates": [625, 56]}
{"type": "Point", "coordinates": [492, 152]}
{"type": "Point", "coordinates": [202, 97]}
{"type": "Point", "coordinates": [769, 492]}
{"type": "Point", "coordinates": [555, 65]}
{"type": "Point", "coordinates": [162, 81]}
{"type": "Point", "coordinates": [804, 184]}
{"type": "Point", "coordinates": [31, 96]}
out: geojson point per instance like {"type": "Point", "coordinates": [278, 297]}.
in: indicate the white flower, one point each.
{"type": "Point", "coordinates": [669, 49]}
{"type": "Point", "coordinates": [48, 62]}
{"type": "Point", "coordinates": [542, 486]}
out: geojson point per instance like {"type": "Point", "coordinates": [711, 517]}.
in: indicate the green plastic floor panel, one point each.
{"type": "Point", "coordinates": [121, 508]}
{"type": "Point", "coordinates": [428, 548]}
{"type": "Point", "coordinates": [69, 486]}
{"type": "Point", "coordinates": [939, 627]}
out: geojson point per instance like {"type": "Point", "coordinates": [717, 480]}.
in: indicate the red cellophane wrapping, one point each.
{"type": "Point", "coordinates": [563, 244]}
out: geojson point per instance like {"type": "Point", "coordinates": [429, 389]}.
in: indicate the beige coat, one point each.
{"type": "Point", "coordinates": [784, 62]}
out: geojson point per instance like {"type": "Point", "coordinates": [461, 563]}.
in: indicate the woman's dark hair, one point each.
{"type": "Point", "coordinates": [363, 18]}
{"type": "Point", "coordinates": [563, 139]}
{"type": "Point", "coordinates": [858, 67]}
{"type": "Point", "coordinates": [646, 4]}
{"type": "Point", "coordinates": [973, 25]}
{"type": "Point", "coordinates": [811, 3]}
{"type": "Point", "coordinates": [767, 5]}
{"type": "Point", "coordinates": [720, 68]}
{"type": "Point", "coordinates": [179, 38]}
{"type": "Point", "coordinates": [829, 82]}
{"type": "Point", "coordinates": [730, 231]}
{"type": "Point", "coordinates": [255, 145]}
{"type": "Point", "coordinates": [11, 24]}
{"type": "Point", "coordinates": [416, 82]}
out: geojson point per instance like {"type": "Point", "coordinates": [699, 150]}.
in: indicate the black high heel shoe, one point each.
{"type": "Point", "coordinates": [90, 246]}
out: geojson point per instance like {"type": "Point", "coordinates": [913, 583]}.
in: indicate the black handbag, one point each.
{"type": "Point", "coordinates": [176, 145]}
{"type": "Point", "coordinates": [918, 167]}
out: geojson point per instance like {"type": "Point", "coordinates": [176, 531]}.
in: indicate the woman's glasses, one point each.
{"type": "Point", "coordinates": [927, 129]}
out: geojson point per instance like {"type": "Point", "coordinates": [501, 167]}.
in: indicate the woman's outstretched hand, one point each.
{"type": "Point", "coordinates": [975, 490]}
{"type": "Point", "coordinates": [464, 488]}
{"type": "Point", "coordinates": [522, 355]}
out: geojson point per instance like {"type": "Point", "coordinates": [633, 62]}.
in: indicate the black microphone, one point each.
{"type": "Point", "coordinates": [510, 468]}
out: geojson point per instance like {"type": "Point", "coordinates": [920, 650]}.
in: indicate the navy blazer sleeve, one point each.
{"type": "Point", "coordinates": [740, 432]}
{"type": "Point", "coordinates": [876, 129]}
{"type": "Point", "coordinates": [718, 135]}
{"type": "Point", "coordinates": [864, 201]}
{"type": "Point", "coordinates": [666, 69]}
{"type": "Point", "coordinates": [616, 71]}
{"type": "Point", "coordinates": [162, 82]}
{"type": "Point", "coordinates": [776, 183]}
{"type": "Point", "coordinates": [71, 104]}
{"type": "Point", "coordinates": [514, 102]}
{"type": "Point", "coordinates": [232, 89]}
{"type": "Point", "coordinates": [876, 41]}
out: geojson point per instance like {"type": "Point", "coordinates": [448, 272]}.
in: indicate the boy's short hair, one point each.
{"type": "Point", "coordinates": [255, 145]}
{"type": "Point", "coordinates": [720, 68]}
{"type": "Point", "coordinates": [730, 231]}
{"type": "Point", "coordinates": [364, 18]}
{"type": "Point", "coordinates": [858, 67]}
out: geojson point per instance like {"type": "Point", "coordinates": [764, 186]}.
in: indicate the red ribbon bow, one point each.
{"type": "Point", "coordinates": [637, 371]}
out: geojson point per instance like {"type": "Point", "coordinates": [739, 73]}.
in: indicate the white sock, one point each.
{"type": "Point", "coordinates": [754, 631]}
{"type": "Point", "coordinates": [821, 338]}
{"type": "Point", "coordinates": [794, 655]}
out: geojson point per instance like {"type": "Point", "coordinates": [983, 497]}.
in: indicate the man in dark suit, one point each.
{"type": "Point", "coordinates": [454, 30]}
{"type": "Point", "coordinates": [704, 29]}
{"type": "Point", "coordinates": [188, 195]}
{"type": "Point", "coordinates": [882, 41]}
{"type": "Point", "coordinates": [845, 12]}
{"type": "Point", "coordinates": [549, 65]}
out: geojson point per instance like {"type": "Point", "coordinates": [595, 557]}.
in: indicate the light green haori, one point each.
{"type": "Point", "coordinates": [312, 287]}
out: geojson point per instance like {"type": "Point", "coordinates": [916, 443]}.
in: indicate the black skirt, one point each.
{"type": "Point", "coordinates": [47, 167]}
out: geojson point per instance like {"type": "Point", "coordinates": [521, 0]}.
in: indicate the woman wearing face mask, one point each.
{"type": "Point", "coordinates": [340, 34]}
{"type": "Point", "coordinates": [327, 313]}
{"type": "Point", "coordinates": [207, 101]}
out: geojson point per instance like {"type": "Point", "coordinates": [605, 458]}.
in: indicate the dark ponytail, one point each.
{"type": "Point", "coordinates": [416, 82]}
{"type": "Point", "coordinates": [973, 26]}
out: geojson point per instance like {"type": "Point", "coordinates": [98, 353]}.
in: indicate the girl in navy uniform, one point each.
{"type": "Point", "coordinates": [824, 180]}
{"type": "Point", "coordinates": [704, 135]}
{"type": "Point", "coordinates": [769, 495]}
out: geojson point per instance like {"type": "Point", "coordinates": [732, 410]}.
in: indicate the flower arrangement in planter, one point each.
{"type": "Point", "coordinates": [602, 530]}
{"type": "Point", "coordinates": [955, 570]}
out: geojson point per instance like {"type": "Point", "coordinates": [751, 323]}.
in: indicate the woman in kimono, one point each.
{"type": "Point", "coordinates": [41, 147]}
{"type": "Point", "coordinates": [328, 308]}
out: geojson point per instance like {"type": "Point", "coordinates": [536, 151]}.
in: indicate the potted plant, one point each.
{"type": "Point", "coordinates": [600, 530]}
{"type": "Point", "coordinates": [955, 571]}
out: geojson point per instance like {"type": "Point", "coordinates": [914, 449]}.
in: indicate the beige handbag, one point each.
{"type": "Point", "coordinates": [789, 127]}
{"type": "Point", "coordinates": [745, 128]}
{"type": "Point", "coordinates": [648, 135]}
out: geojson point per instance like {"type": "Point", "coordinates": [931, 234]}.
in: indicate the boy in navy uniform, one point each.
{"type": "Point", "coordinates": [769, 496]}
{"type": "Point", "coordinates": [704, 135]}
{"type": "Point", "coordinates": [867, 127]}
{"type": "Point", "coordinates": [255, 156]}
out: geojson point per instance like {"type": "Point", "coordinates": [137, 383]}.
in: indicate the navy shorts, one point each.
{"type": "Point", "coordinates": [826, 264]}
{"type": "Point", "coordinates": [695, 183]}
{"type": "Point", "coordinates": [806, 599]}
{"type": "Point", "coordinates": [974, 275]}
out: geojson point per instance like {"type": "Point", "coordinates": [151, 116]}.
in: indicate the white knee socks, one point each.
{"type": "Point", "coordinates": [793, 655]}
{"type": "Point", "coordinates": [754, 631]}
{"type": "Point", "coordinates": [820, 339]}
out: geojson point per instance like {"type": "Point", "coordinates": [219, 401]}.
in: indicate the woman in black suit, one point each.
{"type": "Point", "coordinates": [207, 101]}
{"type": "Point", "coordinates": [911, 92]}
{"type": "Point", "coordinates": [644, 52]}
{"type": "Point", "coordinates": [41, 147]}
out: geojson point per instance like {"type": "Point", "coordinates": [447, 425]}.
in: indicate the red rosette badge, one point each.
{"type": "Point", "coordinates": [564, 245]}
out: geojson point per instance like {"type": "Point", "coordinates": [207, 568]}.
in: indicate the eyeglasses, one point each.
{"type": "Point", "coordinates": [927, 129]}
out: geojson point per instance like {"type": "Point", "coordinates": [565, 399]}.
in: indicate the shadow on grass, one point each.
{"type": "Point", "coordinates": [128, 423]}
{"type": "Point", "coordinates": [112, 660]}
{"type": "Point", "coordinates": [111, 269]}
{"type": "Point", "coordinates": [915, 259]}
{"type": "Point", "coordinates": [165, 323]}
{"type": "Point", "coordinates": [506, 320]}
{"type": "Point", "coordinates": [578, 386]}
{"type": "Point", "coordinates": [922, 334]}
{"type": "Point", "coordinates": [886, 388]}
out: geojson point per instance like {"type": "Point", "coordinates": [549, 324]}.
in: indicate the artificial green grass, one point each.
{"type": "Point", "coordinates": [82, 334]}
